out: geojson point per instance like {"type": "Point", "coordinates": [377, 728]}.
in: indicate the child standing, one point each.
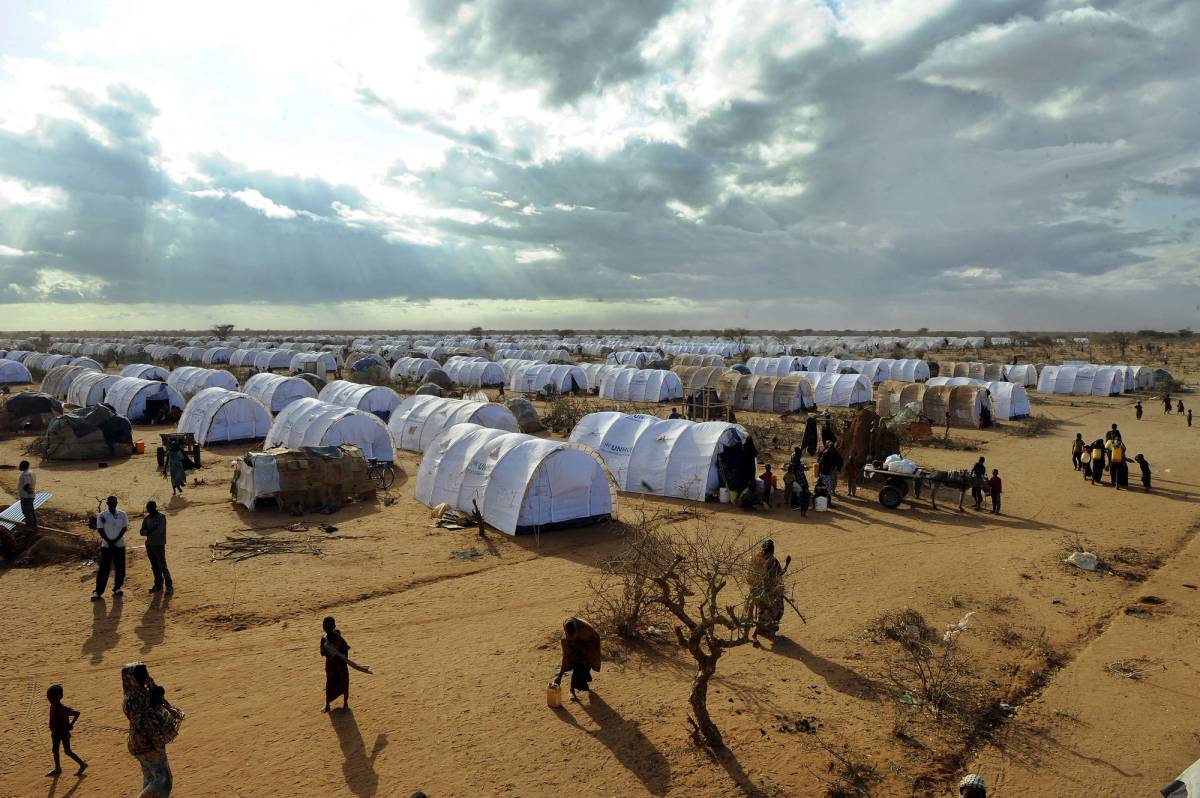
{"type": "Point", "coordinates": [852, 475]}
{"type": "Point", "coordinates": [769, 484]}
{"type": "Point", "coordinates": [996, 486]}
{"type": "Point", "coordinates": [62, 720]}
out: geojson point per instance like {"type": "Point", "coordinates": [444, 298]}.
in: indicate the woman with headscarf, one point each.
{"type": "Point", "coordinates": [580, 654]}
{"type": "Point", "coordinates": [153, 723]}
{"type": "Point", "coordinates": [1098, 455]}
{"type": "Point", "coordinates": [768, 591]}
{"type": "Point", "coordinates": [176, 466]}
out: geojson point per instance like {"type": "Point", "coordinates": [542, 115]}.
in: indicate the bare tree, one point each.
{"type": "Point", "coordinates": [703, 580]}
{"type": "Point", "coordinates": [1121, 340]}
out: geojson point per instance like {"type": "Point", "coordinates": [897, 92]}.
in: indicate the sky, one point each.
{"type": "Point", "coordinates": [443, 164]}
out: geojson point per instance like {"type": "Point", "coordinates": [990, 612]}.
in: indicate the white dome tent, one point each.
{"type": "Point", "coordinates": [1009, 400]}
{"type": "Point", "coordinates": [216, 415]}
{"type": "Point", "coordinates": [14, 373]}
{"type": "Point", "coordinates": [277, 391]}
{"type": "Point", "coordinates": [420, 419]}
{"type": "Point", "coordinates": [474, 373]}
{"type": "Point", "coordinates": [321, 363]}
{"type": "Point", "coordinates": [839, 390]}
{"type": "Point", "coordinates": [520, 483]}
{"type": "Point", "coordinates": [663, 457]}
{"type": "Point", "coordinates": [139, 399]}
{"type": "Point", "coordinates": [191, 380]}
{"type": "Point", "coordinates": [271, 359]}
{"type": "Point", "coordinates": [773, 366]}
{"type": "Point", "coordinates": [145, 371]}
{"type": "Point", "coordinates": [57, 381]}
{"type": "Point", "coordinates": [534, 377]}
{"type": "Point", "coordinates": [374, 399]}
{"type": "Point", "coordinates": [413, 368]}
{"type": "Point", "coordinates": [596, 372]}
{"type": "Point", "coordinates": [641, 385]}
{"type": "Point", "coordinates": [90, 388]}
{"type": "Point", "coordinates": [311, 422]}
{"type": "Point", "coordinates": [1023, 374]}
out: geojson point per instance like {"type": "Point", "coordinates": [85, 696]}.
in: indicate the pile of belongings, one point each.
{"type": "Point", "coordinates": [28, 410]}
{"type": "Point", "coordinates": [89, 433]}
{"type": "Point", "coordinates": [899, 465]}
{"type": "Point", "coordinates": [305, 479]}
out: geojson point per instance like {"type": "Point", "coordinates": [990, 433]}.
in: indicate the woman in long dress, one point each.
{"type": "Point", "coordinates": [580, 654]}
{"type": "Point", "coordinates": [175, 466]}
{"type": "Point", "coordinates": [768, 591]}
{"type": "Point", "coordinates": [153, 723]}
{"type": "Point", "coordinates": [335, 650]}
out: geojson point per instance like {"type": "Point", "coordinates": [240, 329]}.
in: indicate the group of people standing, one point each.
{"type": "Point", "coordinates": [112, 524]}
{"type": "Point", "coordinates": [1107, 455]}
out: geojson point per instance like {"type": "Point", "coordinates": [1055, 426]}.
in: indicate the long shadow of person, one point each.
{"type": "Point", "coordinates": [631, 748]}
{"type": "Point", "coordinates": [104, 629]}
{"type": "Point", "coordinates": [839, 677]}
{"type": "Point", "coordinates": [358, 768]}
{"type": "Point", "coordinates": [54, 787]}
{"type": "Point", "coordinates": [153, 627]}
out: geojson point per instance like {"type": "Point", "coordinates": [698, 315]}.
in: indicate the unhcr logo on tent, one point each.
{"type": "Point", "coordinates": [616, 448]}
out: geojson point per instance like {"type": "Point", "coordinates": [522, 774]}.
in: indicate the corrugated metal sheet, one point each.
{"type": "Point", "coordinates": [14, 513]}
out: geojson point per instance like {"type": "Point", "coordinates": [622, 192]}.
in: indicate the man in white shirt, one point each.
{"type": "Point", "coordinates": [27, 492]}
{"type": "Point", "coordinates": [112, 525]}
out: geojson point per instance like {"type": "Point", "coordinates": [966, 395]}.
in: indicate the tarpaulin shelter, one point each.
{"type": "Point", "coordinates": [89, 433]}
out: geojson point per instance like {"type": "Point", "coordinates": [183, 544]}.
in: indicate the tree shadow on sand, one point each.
{"type": "Point", "coordinates": [358, 768]}
{"type": "Point", "coordinates": [839, 677]}
{"type": "Point", "coordinates": [626, 741]}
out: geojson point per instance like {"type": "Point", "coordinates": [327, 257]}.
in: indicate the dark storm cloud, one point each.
{"type": "Point", "coordinates": [571, 48]}
{"type": "Point", "coordinates": [991, 146]}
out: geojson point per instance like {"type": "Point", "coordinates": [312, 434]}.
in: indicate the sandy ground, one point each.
{"type": "Point", "coordinates": [463, 649]}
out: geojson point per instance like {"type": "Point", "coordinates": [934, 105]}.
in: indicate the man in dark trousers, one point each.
{"type": "Point", "coordinates": [154, 529]}
{"type": "Point", "coordinates": [978, 479]}
{"type": "Point", "coordinates": [112, 525]}
{"type": "Point", "coordinates": [27, 492]}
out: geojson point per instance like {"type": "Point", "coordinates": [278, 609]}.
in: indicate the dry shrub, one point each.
{"type": "Point", "coordinates": [849, 776]}
{"type": "Point", "coordinates": [1033, 427]}
{"type": "Point", "coordinates": [930, 670]}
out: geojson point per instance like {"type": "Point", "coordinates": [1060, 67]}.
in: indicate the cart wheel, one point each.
{"type": "Point", "coordinates": [889, 497]}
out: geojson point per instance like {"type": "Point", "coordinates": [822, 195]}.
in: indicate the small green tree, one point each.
{"type": "Point", "coordinates": [221, 331]}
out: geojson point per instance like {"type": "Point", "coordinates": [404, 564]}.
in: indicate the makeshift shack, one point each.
{"type": "Point", "coordinates": [28, 410]}
{"type": "Point", "coordinates": [89, 433]}
{"type": "Point", "coordinates": [307, 478]}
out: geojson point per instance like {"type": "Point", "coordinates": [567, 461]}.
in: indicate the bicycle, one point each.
{"type": "Point", "coordinates": [383, 473]}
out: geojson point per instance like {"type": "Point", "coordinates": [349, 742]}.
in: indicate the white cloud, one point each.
{"type": "Point", "coordinates": [251, 198]}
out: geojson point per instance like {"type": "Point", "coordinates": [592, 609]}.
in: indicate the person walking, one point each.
{"type": "Point", "coordinates": [996, 487]}
{"type": "Point", "coordinates": [26, 493]}
{"type": "Point", "coordinates": [154, 530]}
{"type": "Point", "coordinates": [1097, 461]}
{"type": "Point", "coordinates": [1167, 403]}
{"type": "Point", "coordinates": [1145, 466]}
{"type": "Point", "coordinates": [1137, 409]}
{"type": "Point", "coordinates": [1077, 448]}
{"type": "Point", "coordinates": [1117, 467]}
{"type": "Point", "coordinates": [1179, 407]}
{"type": "Point", "coordinates": [1189, 416]}
{"type": "Point", "coordinates": [111, 525]}
{"type": "Point", "coordinates": [176, 467]}
{"type": "Point", "coordinates": [153, 724]}
{"type": "Point", "coordinates": [580, 655]}
{"type": "Point", "coordinates": [768, 592]}
{"type": "Point", "coordinates": [62, 721]}
{"type": "Point", "coordinates": [978, 478]}
{"type": "Point", "coordinates": [829, 463]}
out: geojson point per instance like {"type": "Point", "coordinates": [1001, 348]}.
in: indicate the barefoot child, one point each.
{"type": "Point", "coordinates": [62, 720]}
